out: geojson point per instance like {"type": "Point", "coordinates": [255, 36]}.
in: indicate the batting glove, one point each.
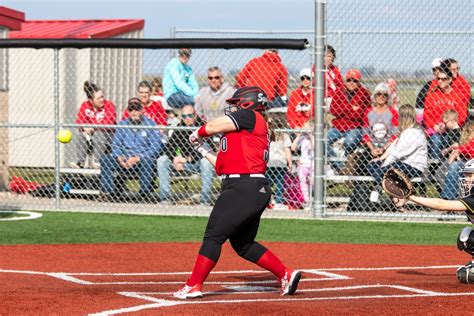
{"type": "Point", "coordinates": [195, 139]}
{"type": "Point", "coordinates": [204, 149]}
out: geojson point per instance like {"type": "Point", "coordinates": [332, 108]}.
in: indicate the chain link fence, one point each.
{"type": "Point", "coordinates": [381, 55]}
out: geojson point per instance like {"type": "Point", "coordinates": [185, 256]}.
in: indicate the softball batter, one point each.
{"type": "Point", "coordinates": [245, 192]}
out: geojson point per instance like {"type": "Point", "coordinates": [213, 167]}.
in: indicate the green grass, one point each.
{"type": "Point", "coordinates": [64, 227]}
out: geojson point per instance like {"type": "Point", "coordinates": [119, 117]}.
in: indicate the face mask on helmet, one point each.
{"type": "Point", "coordinates": [467, 180]}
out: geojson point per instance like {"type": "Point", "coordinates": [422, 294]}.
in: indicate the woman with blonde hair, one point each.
{"type": "Point", "coordinates": [408, 153]}
{"type": "Point", "coordinates": [461, 153]}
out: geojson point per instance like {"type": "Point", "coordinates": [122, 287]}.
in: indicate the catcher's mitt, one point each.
{"type": "Point", "coordinates": [396, 184]}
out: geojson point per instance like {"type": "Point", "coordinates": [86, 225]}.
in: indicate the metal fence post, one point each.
{"type": "Point", "coordinates": [57, 160]}
{"type": "Point", "coordinates": [319, 40]}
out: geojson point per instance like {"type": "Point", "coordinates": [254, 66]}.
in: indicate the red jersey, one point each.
{"type": "Point", "coordinates": [266, 72]}
{"type": "Point", "coordinates": [89, 115]}
{"type": "Point", "coordinates": [154, 112]}
{"type": "Point", "coordinates": [300, 108]}
{"type": "Point", "coordinates": [349, 114]}
{"type": "Point", "coordinates": [437, 102]}
{"type": "Point", "coordinates": [245, 150]}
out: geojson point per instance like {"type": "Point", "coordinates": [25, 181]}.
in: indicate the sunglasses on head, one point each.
{"type": "Point", "coordinates": [214, 78]}
{"type": "Point", "coordinates": [305, 78]}
{"type": "Point", "coordinates": [191, 115]}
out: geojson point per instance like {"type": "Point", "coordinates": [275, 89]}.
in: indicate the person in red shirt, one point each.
{"type": "Point", "coordinates": [301, 103]}
{"type": "Point", "coordinates": [348, 115]}
{"type": "Point", "coordinates": [439, 99]}
{"type": "Point", "coordinates": [151, 109]}
{"type": "Point", "coordinates": [245, 191]}
{"type": "Point", "coordinates": [269, 73]}
{"type": "Point", "coordinates": [93, 142]}
{"type": "Point", "coordinates": [460, 84]}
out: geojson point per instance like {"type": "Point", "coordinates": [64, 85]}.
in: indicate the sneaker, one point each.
{"type": "Point", "coordinates": [289, 286]}
{"type": "Point", "coordinates": [76, 165]}
{"type": "Point", "coordinates": [189, 292]}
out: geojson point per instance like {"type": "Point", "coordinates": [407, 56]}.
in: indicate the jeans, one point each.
{"type": "Point", "coordinates": [377, 171]}
{"type": "Point", "coordinates": [97, 146]}
{"type": "Point", "coordinates": [451, 183]}
{"type": "Point", "coordinates": [109, 168]}
{"type": "Point", "coordinates": [436, 143]}
{"type": "Point", "coordinates": [178, 100]}
{"type": "Point", "coordinates": [276, 175]}
{"type": "Point", "coordinates": [352, 139]}
{"type": "Point", "coordinates": [203, 166]}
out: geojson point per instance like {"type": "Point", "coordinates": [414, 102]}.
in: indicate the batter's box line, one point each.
{"type": "Point", "coordinates": [158, 303]}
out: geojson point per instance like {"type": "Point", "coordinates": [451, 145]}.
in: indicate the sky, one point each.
{"type": "Point", "coordinates": [446, 33]}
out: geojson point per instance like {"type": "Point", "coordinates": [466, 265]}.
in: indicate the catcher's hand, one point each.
{"type": "Point", "coordinates": [396, 184]}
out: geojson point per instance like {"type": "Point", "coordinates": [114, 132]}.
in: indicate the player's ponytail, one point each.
{"type": "Point", "coordinates": [270, 126]}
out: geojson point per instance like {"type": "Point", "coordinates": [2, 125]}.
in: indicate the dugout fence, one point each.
{"type": "Point", "coordinates": [43, 91]}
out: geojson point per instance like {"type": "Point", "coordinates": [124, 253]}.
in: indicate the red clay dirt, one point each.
{"type": "Point", "coordinates": [138, 278]}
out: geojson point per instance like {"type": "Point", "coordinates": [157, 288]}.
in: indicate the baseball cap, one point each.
{"type": "Point", "coordinates": [436, 63]}
{"type": "Point", "coordinates": [306, 72]}
{"type": "Point", "coordinates": [354, 74]}
{"type": "Point", "coordinates": [134, 104]}
{"type": "Point", "coordinates": [185, 52]}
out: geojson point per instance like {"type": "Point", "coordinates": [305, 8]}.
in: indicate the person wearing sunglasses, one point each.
{"type": "Point", "coordinates": [179, 83]}
{"type": "Point", "coordinates": [460, 85]}
{"type": "Point", "coordinates": [420, 98]}
{"type": "Point", "coordinates": [211, 100]}
{"type": "Point", "coordinates": [301, 102]}
{"type": "Point", "coordinates": [179, 155]}
{"type": "Point", "coordinates": [348, 116]}
{"type": "Point", "coordinates": [439, 99]}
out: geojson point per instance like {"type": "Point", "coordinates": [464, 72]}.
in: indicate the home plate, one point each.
{"type": "Point", "coordinates": [249, 288]}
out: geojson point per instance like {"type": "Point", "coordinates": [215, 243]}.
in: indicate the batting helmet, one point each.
{"type": "Point", "coordinates": [466, 180]}
{"type": "Point", "coordinates": [252, 98]}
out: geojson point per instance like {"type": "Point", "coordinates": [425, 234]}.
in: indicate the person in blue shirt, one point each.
{"type": "Point", "coordinates": [134, 150]}
{"type": "Point", "coordinates": [179, 84]}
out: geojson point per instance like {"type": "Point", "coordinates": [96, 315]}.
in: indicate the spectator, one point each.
{"type": "Point", "coordinates": [211, 99]}
{"type": "Point", "coordinates": [335, 89]}
{"type": "Point", "coordinates": [268, 73]}
{"type": "Point", "coordinates": [392, 90]}
{"type": "Point", "coordinates": [93, 142]}
{"type": "Point", "coordinates": [420, 99]}
{"type": "Point", "coordinates": [179, 84]}
{"type": "Point", "coordinates": [181, 154]}
{"type": "Point", "coordinates": [439, 99]}
{"type": "Point", "coordinates": [452, 131]}
{"type": "Point", "coordinates": [408, 153]}
{"type": "Point", "coordinates": [457, 158]}
{"type": "Point", "coordinates": [348, 116]}
{"type": "Point", "coordinates": [151, 109]}
{"type": "Point", "coordinates": [301, 103]}
{"type": "Point", "coordinates": [380, 123]}
{"type": "Point", "coordinates": [134, 150]}
{"type": "Point", "coordinates": [280, 161]}
{"type": "Point", "coordinates": [157, 93]}
{"type": "Point", "coordinates": [304, 143]}
{"type": "Point", "coordinates": [460, 84]}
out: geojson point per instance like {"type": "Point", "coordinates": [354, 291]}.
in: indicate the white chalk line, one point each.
{"type": "Point", "coordinates": [29, 215]}
{"type": "Point", "coordinates": [159, 302]}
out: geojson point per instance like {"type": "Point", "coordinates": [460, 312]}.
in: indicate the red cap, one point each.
{"type": "Point", "coordinates": [354, 74]}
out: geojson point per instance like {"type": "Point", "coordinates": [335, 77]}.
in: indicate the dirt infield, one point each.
{"type": "Point", "coordinates": [139, 278]}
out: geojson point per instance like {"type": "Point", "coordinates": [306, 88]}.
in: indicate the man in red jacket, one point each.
{"type": "Point", "coordinates": [349, 115]}
{"type": "Point", "coordinates": [301, 102]}
{"type": "Point", "coordinates": [268, 73]}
